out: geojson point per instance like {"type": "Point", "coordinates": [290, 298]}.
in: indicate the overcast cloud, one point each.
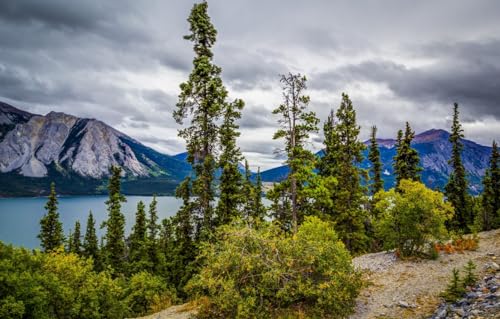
{"type": "Point", "coordinates": [122, 62]}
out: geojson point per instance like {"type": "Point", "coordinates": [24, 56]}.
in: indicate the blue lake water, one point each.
{"type": "Point", "coordinates": [20, 217]}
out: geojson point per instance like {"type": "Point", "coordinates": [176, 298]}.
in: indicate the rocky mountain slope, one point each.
{"type": "Point", "coordinates": [78, 153]}
{"type": "Point", "coordinates": [434, 150]}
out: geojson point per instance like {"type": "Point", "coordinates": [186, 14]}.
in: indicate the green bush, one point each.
{"type": "Point", "coordinates": [62, 285]}
{"type": "Point", "coordinates": [148, 293]}
{"type": "Point", "coordinates": [266, 273]}
{"type": "Point", "coordinates": [411, 217]}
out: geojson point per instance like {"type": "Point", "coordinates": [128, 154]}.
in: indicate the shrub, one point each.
{"type": "Point", "coordinates": [148, 293]}
{"type": "Point", "coordinates": [410, 218]}
{"type": "Point", "coordinates": [266, 273]}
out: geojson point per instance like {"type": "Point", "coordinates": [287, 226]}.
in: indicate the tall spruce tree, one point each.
{"type": "Point", "coordinates": [183, 250]}
{"type": "Point", "coordinates": [248, 196]}
{"type": "Point", "coordinates": [114, 240]}
{"type": "Point", "coordinates": [296, 124]}
{"type": "Point", "coordinates": [230, 198]}
{"type": "Point", "coordinates": [491, 192]}
{"type": "Point", "coordinates": [138, 256]}
{"type": "Point", "coordinates": [456, 189]}
{"type": "Point", "coordinates": [203, 97]}
{"type": "Point", "coordinates": [51, 233]}
{"type": "Point", "coordinates": [76, 241]}
{"type": "Point", "coordinates": [153, 247]}
{"type": "Point", "coordinates": [343, 150]}
{"type": "Point", "coordinates": [259, 210]}
{"type": "Point", "coordinates": [406, 161]}
{"type": "Point", "coordinates": [376, 165]}
{"type": "Point", "coordinates": [90, 243]}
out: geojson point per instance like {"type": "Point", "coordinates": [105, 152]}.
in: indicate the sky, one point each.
{"type": "Point", "coordinates": [122, 62]}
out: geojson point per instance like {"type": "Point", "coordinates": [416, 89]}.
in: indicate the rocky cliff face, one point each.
{"type": "Point", "coordinates": [34, 145]}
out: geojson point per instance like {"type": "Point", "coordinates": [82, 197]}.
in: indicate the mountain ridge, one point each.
{"type": "Point", "coordinates": [434, 150]}
{"type": "Point", "coordinates": [77, 153]}
{"type": "Point", "coordinates": [69, 149]}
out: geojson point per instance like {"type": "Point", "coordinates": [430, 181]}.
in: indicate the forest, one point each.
{"type": "Point", "coordinates": [226, 252]}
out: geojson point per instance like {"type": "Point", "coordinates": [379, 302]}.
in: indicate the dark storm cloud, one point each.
{"type": "Point", "coordinates": [122, 61]}
{"type": "Point", "coordinates": [467, 73]}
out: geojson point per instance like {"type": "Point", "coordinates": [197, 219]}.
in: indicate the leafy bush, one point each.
{"type": "Point", "coordinates": [266, 273]}
{"type": "Point", "coordinates": [61, 285]}
{"type": "Point", "coordinates": [148, 293]}
{"type": "Point", "coordinates": [411, 217]}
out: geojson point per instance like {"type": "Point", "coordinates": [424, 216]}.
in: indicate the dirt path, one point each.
{"type": "Point", "coordinates": [410, 289]}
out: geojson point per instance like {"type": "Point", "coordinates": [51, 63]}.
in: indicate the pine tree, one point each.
{"type": "Point", "coordinates": [456, 189]}
{"type": "Point", "coordinates": [230, 181]}
{"type": "Point", "coordinates": [180, 230]}
{"type": "Point", "coordinates": [376, 165]}
{"type": "Point", "coordinates": [343, 150]}
{"type": "Point", "coordinates": [470, 277]}
{"type": "Point", "coordinates": [296, 124]}
{"type": "Point", "coordinates": [259, 210]}
{"type": "Point", "coordinates": [203, 97]}
{"type": "Point", "coordinates": [248, 196]}
{"type": "Point", "coordinates": [406, 161]}
{"type": "Point", "coordinates": [51, 233]}
{"type": "Point", "coordinates": [153, 248]}
{"type": "Point", "coordinates": [138, 256]}
{"type": "Point", "coordinates": [491, 192]}
{"type": "Point", "coordinates": [76, 243]}
{"type": "Point", "coordinates": [114, 247]}
{"type": "Point", "coordinates": [90, 242]}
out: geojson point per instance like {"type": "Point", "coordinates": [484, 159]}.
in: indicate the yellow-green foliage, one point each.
{"type": "Point", "coordinates": [411, 217]}
{"type": "Point", "coordinates": [146, 291]}
{"type": "Point", "coordinates": [266, 273]}
{"type": "Point", "coordinates": [61, 285]}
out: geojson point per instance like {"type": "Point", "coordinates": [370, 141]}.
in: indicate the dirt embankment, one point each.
{"type": "Point", "coordinates": [410, 289]}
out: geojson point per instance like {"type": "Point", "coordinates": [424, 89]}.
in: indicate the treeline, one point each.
{"type": "Point", "coordinates": [224, 248]}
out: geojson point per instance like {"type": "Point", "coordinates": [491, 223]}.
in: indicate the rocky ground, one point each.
{"type": "Point", "coordinates": [410, 288]}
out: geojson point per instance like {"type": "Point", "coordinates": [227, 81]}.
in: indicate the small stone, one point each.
{"type": "Point", "coordinates": [404, 304]}
{"type": "Point", "coordinates": [459, 311]}
{"type": "Point", "coordinates": [490, 254]}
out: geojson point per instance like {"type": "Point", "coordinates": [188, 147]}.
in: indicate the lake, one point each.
{"type": "Point", "coordinates": [20, 217]}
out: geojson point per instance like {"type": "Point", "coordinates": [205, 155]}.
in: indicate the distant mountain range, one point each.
{"type": "Point", "coordinates": [434, 150]}
{"type": "Point", "coordinates": [76, 153]}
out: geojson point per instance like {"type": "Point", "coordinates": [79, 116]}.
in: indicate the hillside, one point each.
{"type": "Point", "coordinates": [77, 153]}
{"type": "Point", "coordinates": [403, 289]}
{"type": "Point", "coordinates": [434, 150]}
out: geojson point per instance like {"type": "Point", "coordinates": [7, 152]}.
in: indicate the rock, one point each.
{"type": "Point", "coordinates": [404, 304]}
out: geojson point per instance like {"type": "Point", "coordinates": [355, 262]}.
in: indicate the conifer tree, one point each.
{"type": "Point", "coordinates": [376, 165]}
{"type": "Point", "coordinates": [51, 233]}
{"type": "Point", "coordinates": [230, 197]}
{"type": "Point", "coordinates": [247, 192]}
{"type": "Point", "coordinates": [296, 124]}
{"type": "Point", "coordinates": [491, 192]}
{"type": "Point", "coordinates": [90, 242]}
{"type": "Point", "coordinates": [259, 210]}
{"type": "Point", "coordinates": [406, 161]}
{"type": "Point", "coordinates": [76, 242]}
{"type": "Point", "coordinates": [456, 189]}
{"type": "Point", "coordinates": [114, 246]}
{"type": "Point", "coordinates": [137, 248]}
{"type": "Point", "coordinates": [203, 98]}
{"type": "Point", "coordinates": [343, 150]}
{"type": "Point", "coordinates": [182, 248]}
{"type": "Point", "coordinates": [153, 248]}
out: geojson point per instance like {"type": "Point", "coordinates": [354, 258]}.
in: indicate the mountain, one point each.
{"type": "Point", "coordinates": [434, 150]}
{"type": "Point", "coordinates": [77, 153]}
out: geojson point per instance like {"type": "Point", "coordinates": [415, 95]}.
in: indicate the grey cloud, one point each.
{"type": "Point", "coordinates": [256, 117]}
